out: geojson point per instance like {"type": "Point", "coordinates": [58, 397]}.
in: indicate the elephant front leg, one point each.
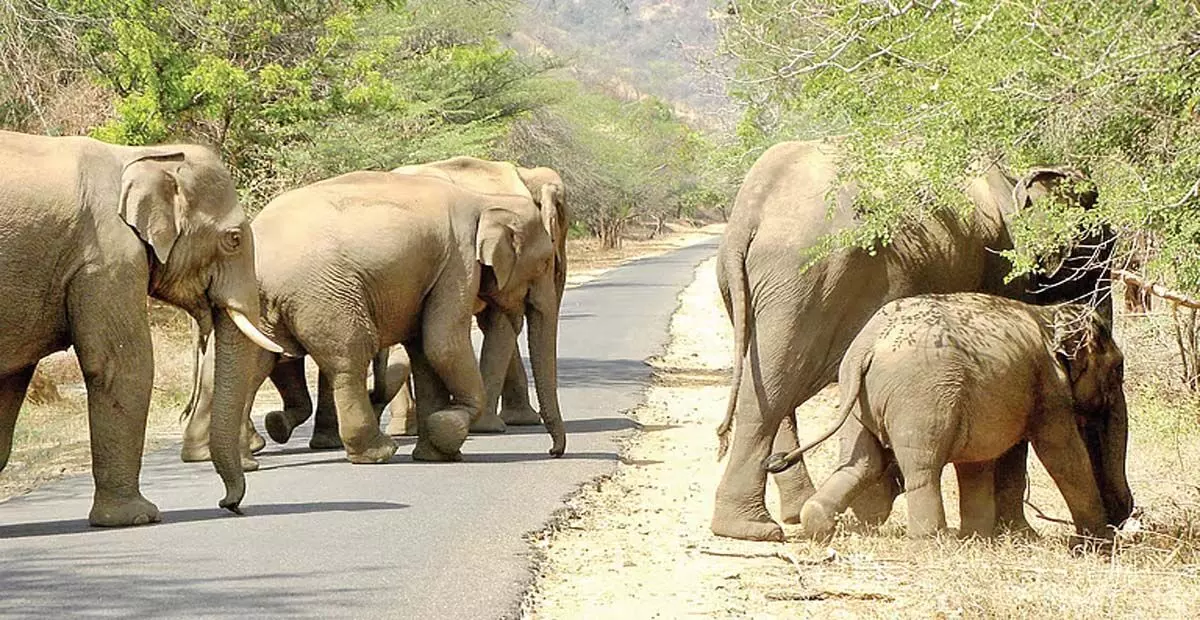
{"type": "Point", "coordinates": [288, 378]}
{"type": "Point", "coordinates": [196, 423]}
{"type": "Point", "coordinates": [111, 334]}
{"type": "Point", "coordinates": [514, 398]}
{"type": "Point", "coordinates": [976, 499]}
{"type": "Point", "coordinates": [444, 359]}
{"type": "Point", "coordinates": [1062, 451]}
{"type": "Point", "coordinates": [499, 346]}
{"type": "Point", "coordinates": [12, 394]}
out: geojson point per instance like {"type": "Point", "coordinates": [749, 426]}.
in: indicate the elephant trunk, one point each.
{"type": "Point", "coordinates": [542, 314]}
{"type": "Point", "coordinates": [233, 350]}
{"type": "Point", "coordinates": [1114, 486]}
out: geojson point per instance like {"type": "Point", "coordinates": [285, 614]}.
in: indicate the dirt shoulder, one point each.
{"type": "Point", "coordinates": [51, 438]}
{"type": "Point", "coordinates": [637, 545]}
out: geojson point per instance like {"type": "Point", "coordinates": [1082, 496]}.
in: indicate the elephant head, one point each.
{"type": "Point", "coordinates": [1077, 273]}
{"type": "Point", "coordinates": [550, 195]}
{"type": "Point", "coordinates": [518, 279]}
{"type": "Point", "coordinates": [183, 206]}
{"type": "Point", "coordinates": [1094, 365]}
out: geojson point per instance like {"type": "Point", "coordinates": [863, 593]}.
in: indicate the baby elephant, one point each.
{"type": "Point", "coordinates": [962, 378]}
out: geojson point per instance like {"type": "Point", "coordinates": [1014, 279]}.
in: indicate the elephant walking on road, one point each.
{"type": "Point", "coordinates": [367, 260]}
{"type": "Point", "coordinates": [961, 379]}
{"type": "Point", "coordinates": [86, 230]}
{"type": "Point", "coordinates": [793, 320]}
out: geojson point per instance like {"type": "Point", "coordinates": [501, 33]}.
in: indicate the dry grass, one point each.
{"type": "Point", "coordinates": [637, 545]}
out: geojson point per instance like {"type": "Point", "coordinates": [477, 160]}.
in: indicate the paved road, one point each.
{"type": "Point", "coordinates": [323, 538]}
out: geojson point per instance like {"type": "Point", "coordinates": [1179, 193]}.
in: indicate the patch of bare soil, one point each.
{"type": "Point", "coordinates": [637, 545]}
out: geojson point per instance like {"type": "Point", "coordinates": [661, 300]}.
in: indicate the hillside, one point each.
{"type": "Point", "coordinates": [633, 48]}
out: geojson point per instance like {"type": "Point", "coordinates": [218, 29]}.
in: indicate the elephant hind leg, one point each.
{"type": "Point", "coordinates": [922, 470]}
{"type": "Point", "coordinates": [976, 498]}
{"type": "Point", "coordinates": [12, 394]}
{"type": "Point", "coordinates": [288, 378]}
{"type": "Point", "coordinates": [864, 463]}
{"type": "Point", "coordinates": [794, 484]}
{"type": "Point", "coordinates": [402, 406]}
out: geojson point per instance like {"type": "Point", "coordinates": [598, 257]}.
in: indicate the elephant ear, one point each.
{"type": "Point", "coordinates": [1039, 179]}
{"type": "Point", "coordinates": [496, 243]}
{"type": "Point", "coordinates": [151, 201]}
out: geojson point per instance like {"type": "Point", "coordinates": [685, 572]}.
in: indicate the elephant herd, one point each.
{"type": "Point", "coordinates": [340, 270]}
{"type": "Point", "coordinates": [941, 357]}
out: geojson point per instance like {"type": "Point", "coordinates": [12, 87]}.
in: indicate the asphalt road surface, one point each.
{"type": "Point", "coordinates": [323, 538]}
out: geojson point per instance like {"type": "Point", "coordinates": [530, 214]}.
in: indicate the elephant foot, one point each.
{"type": "Point", "coordinates": [249, 463]}
{"type": "Point", "coordinates": [819, 522]}
{"type": "Point", "coordinates": [521, 416]}
{"type": "Point", "coordinates": [424, 451]}
{"type": "Point", "coordinates": [377, 450]}
{"type": "Point", "coordinates": [733, 524]}
{"type": "Point", "coordinates": [488, 424]}
{"type": "Point", "coordinates": [257, 443]}
{"type": "Point", "coordinates": [794, 490]}
{"type": "Point", "coordinates": [325, 440]}
{"type": "Point", "coordinates": [279, 427]}
{"type": "Point", "coordinates": [192, 453]}
{"type": "Point", "coordinates": [1017, 528]}
{"type": "Point", "coordinates": [123, 512]}
{"type": "Point", "coordinates": [447, 430]}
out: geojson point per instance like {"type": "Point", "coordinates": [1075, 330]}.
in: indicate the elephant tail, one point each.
{"type": "Point", "coordinates": [200, 339]}
{"type": "Point", "coordinates": [780, 461]}
{"type": "Point", "coordinates": [737, 303]}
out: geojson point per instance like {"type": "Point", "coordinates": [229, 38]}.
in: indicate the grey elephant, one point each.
{"type": "Point", "coordinates": [793, 321]}
{"type": "Point", "coordinates": [963, 378]}
{"type": "Point", "coordinates": [546, 189]}
{"type": "Point", "coordinates": [366, 260]}
{"type": "Point", "coordinates": [86, 230]}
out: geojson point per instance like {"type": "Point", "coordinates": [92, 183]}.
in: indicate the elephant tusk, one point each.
{"type": "Point", "coordinates": [246, 327]}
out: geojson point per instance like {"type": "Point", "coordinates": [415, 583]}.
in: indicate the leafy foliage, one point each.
{"type": "Point", "coordinates": [621, 159]}
{"type": "Point", "coordinates": [930, 92]}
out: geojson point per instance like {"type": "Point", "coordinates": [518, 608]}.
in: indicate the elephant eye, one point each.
{"type": "Point", "coordinates": [231, 241]}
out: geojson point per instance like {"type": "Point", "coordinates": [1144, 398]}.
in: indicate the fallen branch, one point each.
{"type": "Point", "coordinates": [1158, 290]}
{"type": "Point", "coordinates": [830, 556]}
{"type": "Point", "coordinates": [824, 595]}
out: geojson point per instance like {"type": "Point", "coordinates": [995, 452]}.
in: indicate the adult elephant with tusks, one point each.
{"type": "Point", "coordinates": [363, 261]}
{"type": "Point", "coordinates": [793, 321]}
{"type": "Point", "coordinates": [86, 230]}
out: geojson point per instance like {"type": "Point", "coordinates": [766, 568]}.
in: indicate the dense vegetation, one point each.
{"type": "Point", "coordinates": [929, 92]}
{"type": "Point", "coordinates": [292, 92]}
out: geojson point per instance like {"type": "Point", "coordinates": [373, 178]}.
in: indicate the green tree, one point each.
{"type": "Point", "coordinates": [929, 92]}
